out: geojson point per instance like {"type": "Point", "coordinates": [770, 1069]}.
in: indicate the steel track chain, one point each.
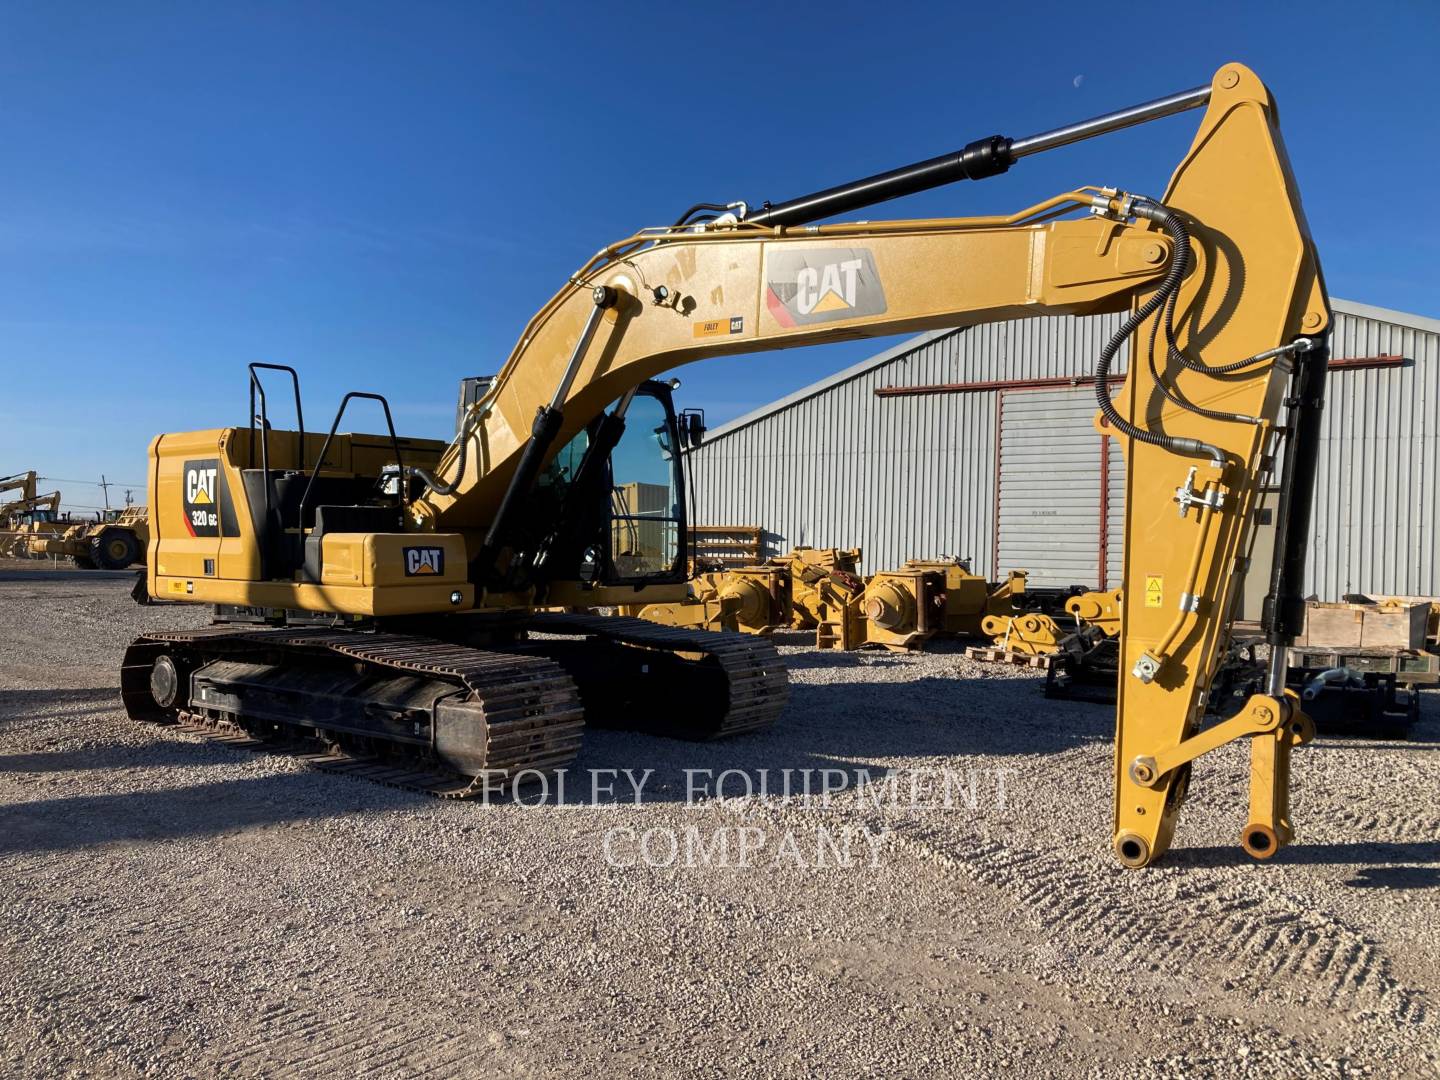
{"type": "Point", "coordinates": [757, 680]}
{"type": "Point", "coordinates": [533, 711]}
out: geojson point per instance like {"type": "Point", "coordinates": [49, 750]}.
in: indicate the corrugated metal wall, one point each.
{"type": "Point", "coordinates": [1115, 516]}
{"type": "Point", "coordinates": [1378, 491]}
{"type": "Point", "coordinates": [902, 477]}
{"type": "Point", "coordinates": [1050, 494]}
{"type": "Point", "coordinates": [914, 476]}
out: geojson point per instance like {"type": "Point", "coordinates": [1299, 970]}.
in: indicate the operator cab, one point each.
{"type": "Point", "coordinates": [622, 522]}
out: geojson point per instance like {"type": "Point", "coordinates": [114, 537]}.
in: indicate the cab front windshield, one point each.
{"type": "Point", "coordinates": [644, 520]}
{"type": "Point", "coordinates": [646, 514]}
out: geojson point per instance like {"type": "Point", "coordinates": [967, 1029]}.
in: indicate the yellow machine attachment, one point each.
{"type": "Point", "coordinates": [927, 597]}
{"type": "Point", "coordinates": [1031, 633]}
{"type": "Point", "coordinates": [966, 599]}
{"type": "Point", "coordinates": [1034, 633]}
{"type": "Point", "coordinates": [1098, 609]}
{"type": "Point", "coordinates": [810, 588]}
{"type": "Point", "coordinates": [812, 574]}
{"type": "Point", "coordinates": [718, 613]}
{"type": "Point", "coordinates": [903, 608]}
{"type": "Point", "coordinates": [758, 595]}
{"type": "Point", "coordinates": [529, 507]}
{"type": "Point", "coordinates": [826, 589]}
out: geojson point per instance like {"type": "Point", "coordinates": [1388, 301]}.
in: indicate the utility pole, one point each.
{"type": "Point", "coordinates": [105, 487]}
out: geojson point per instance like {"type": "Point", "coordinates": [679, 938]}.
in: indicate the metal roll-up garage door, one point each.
{"type": "Point", "coordinates": [1114, 514]}
{"type": "Point", "coordinates": [1059, 512]}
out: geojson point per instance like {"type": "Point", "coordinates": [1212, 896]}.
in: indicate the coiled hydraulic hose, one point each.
{"type": "Point", "coordinates": [1171, 222]}
{"type": "Point", "coordinates": [434, 483]}
{"type": "Point", "coordinates": [1173, 395]}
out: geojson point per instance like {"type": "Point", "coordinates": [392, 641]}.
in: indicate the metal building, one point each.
{"type": "Point", "coordinates": [978, 443]}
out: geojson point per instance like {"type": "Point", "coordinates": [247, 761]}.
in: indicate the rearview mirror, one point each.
{"type": "Point", "coordinates": [692, 427]}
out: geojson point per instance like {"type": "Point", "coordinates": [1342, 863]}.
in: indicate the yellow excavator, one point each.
{"type": "Point", "coordinates": [388, 596]}
{"type": "Point", "coordinates": [25, 516]}
{"type": "Point", "coordinates": [25, 483]}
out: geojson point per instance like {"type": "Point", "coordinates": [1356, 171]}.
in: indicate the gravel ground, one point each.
{"type": "Point", "coordinates": [170, 907]}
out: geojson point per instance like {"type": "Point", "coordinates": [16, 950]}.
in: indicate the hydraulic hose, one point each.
{"type": "Point", "coordinates": [434, 483]}
{"type": "Point", "coordinates": [1171, 222]}
{"type": "Point", "coordinates": [1174, 396]}
{"type": "Point", "coordinates": [684, 218]}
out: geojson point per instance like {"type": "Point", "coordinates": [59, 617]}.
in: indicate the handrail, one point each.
{"type": "Point", "coordinates": [325, 449]}
{"type": "Point", "coordinates": [256, 386]}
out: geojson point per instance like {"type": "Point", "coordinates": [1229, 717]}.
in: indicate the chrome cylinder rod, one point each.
{"type": "Point", "coordinates": [983, 157]}
{"type": "Point", "coordinates": [1115, 121]}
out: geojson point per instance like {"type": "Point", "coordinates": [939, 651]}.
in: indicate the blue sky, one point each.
{"type": "Point", "coordinates": [381, 195]}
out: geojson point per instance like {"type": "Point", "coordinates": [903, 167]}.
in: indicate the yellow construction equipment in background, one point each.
{"type": "Point", "coordinates": [751, 599]}
{"type": "Point", "coordinates": [29, 500]}
{"type": "Point", "coordinates": [904, 608]}
{"type": "Point", "coordinates": [821, 589]}
{"type": "Point", "coordinates": [812, 571]}
{"type": "Point", "coordinates": [32, 527]}
{"type": "Point", "coordinates": [116, 541]}
{"type": "Point", "coordinates": [1098, 609]}
{"type": "Point", "coordinates": [25, 516]}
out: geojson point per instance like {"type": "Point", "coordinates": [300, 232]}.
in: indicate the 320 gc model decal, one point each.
{"type": "Point", "coordinates": [208, 509]}
{"type": "Point", "coordinates": [822, 284]}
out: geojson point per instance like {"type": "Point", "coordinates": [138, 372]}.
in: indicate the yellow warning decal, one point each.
{"type": "Point", "coordinates": [1154, 589]}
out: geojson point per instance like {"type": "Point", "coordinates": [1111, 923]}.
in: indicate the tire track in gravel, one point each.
{"type": "Point", "coordinates": [1251, 936]}
{"type": "Point", "coordinates": [363, 1037]}
{"type": "Point", "coordinates": [1367, 825]}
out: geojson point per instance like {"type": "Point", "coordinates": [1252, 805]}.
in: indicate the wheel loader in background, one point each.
{"type": "Point", "coordinates": [115, 541]}
{"type": "Point", "coordinates": [381, 594]}
{"type": "Point", "coordinates": [32, 527]}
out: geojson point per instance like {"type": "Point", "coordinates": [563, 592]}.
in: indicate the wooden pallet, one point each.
{"type": "Point", "coordinates": [727, 545]}
{"type": "Point", "coordinates": [990, 655]}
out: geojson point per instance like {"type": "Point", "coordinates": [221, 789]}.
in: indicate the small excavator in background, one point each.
{"type": "Point", "coordinates": [389, 598]}
{"type": "Point", "coordinates": [21, 517]}
{"type": "Point", "coordinates": [26, 484]}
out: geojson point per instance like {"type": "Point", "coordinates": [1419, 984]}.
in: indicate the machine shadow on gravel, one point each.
{"type": "Point", "coordinates": [105, 756]}
{"type": "Point", "coordinates": [18, 706]}
{"type": "Point", "coordinates": [861, 730]}
{"type": "Point", "coordinates": [1385, 860]}
{"type": "Point", "coordinates": [75, 822]}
